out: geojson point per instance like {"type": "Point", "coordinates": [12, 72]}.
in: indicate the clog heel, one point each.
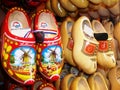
{"type": "Point", "coordinates": [49, 47]}
{"type": "Point", "coordinates": [97, 82]}
{"type": "Point", "coordinates": [105, 54]}
{"type": "Point", "coordinates": [85, 45]}
{"type": "Point", "coordinates": [18, 47]}
{"type": "Point", "coordinates": [67, 41]}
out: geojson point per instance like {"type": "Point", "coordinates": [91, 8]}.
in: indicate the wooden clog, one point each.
{"type": "Point", "coordinates": [85, 45]}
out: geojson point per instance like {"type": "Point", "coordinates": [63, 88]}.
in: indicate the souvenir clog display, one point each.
{"type": "Point", "coordinates": [18, 55]}
{"type": "Point", "coordinates": [49, 47]}
{"type": "Point", "coordinates": [67, 41]}
{"type": "Point", "coordinates": [85, 45]}
{"type": "Point", "coordinates": [60, 44]}
{"type": "Point", "coordinates": [105, 54]}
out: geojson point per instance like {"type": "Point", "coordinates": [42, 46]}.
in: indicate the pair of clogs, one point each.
{"type": "Point", "coordinates": [87, 44]}
{"type": "Point", "coordinates": [22, 46]}
{"type": "Point", "coordinates": [94, 82]}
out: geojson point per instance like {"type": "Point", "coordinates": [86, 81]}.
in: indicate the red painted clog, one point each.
{"type": "Point", "coordinates": [49, 48]}
{"type": "Point", "coordinates": [18, 47]}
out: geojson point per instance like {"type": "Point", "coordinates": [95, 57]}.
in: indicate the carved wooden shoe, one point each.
{"type": "Point", "coordinates": [80, 3]}
{"type": "Point", "coordinates": [68, 5]}
{"type": "Point", "coordinates": [49, 46]}
{"type": "Point", "coordinates": [57, 8]}
{"type": "Point", "coordinates": [105, 54]}
{"type": "Point", "coordinates": [85, 45]}
{"type": "Point", "coordinates": [97, 82]}
{"type": "Point", "coordinates": [67, 41]}
{"type": "Point", "coordinates": [18, 47]}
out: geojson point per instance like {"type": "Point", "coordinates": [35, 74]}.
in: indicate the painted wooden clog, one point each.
{"type": "Point", "coordinates": [49, 47]}
{"type": "Point", "coordinates": [18, 47]}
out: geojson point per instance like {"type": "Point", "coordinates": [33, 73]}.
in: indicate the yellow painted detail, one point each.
{"type": "Point", "coordinates": [10, 72]}
{"type": "Point", "coordinates": [5, 45]}
{"type": "Point", "coordinates": [3, 52]}
{"type": "Point", "coordinates": [9, 48]}
{"type": "Point", "coordinates": [39, 50]}
{"type": "Point", "coordinates": [24, 77]}
{"type": "Point", "coordinates": [6, 56]}
{"type": "Point", "coordinates": [5, 64]}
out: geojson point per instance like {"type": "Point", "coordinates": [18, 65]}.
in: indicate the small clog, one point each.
{"type": "Point", "coordinates": [80, 3]}
{"type": "Point", "coordinates": [109, 27]}
{"type": "Point", "coordinates": [58, 9]}
{"type": "Point", "coordinates": [67, 41]}
{"type": "Point", "coordinates": [103, 11]}
{"type": "Point", "coordinates": [18, 47]}
{"type": "Point", "coordinates": [48, 5]}
{"type": "Point", "coordinates": [85, 45]}
{"type": "Point", "coordinates": [110, 3]}
{"type": "Point", "coordinates": [79, 83]}
{"type": "Point", "coordinates": [93, 14]}
{"type": "Point", "coordinates": [68, 5]}
{"type": "Point", "coordinates": [97, 82]}
{"type": "Point", "coordinates": [96, 1]}
{"type": "Point", "coordinates": [48, 44]}
{"type": "Point", "coordinates": [114, 77]}
{"type": "Point", "coordinates": [115, 10]}
{"type": "Point", "coordinates": [105, 54]}
{"type": "Point", "coordinates": [66, 82]}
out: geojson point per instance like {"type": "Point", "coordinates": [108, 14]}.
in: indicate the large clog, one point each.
{"type": "Point", "coordinates": [18, 47]}
{"type": "Point", "coordinates": [49, 47]}
{"type": "Point", "coordinates": [67, 41]}
{"type": "Point", "coordinates": [105, 54]}
{"type": "Point", "coordinates": [85, 45]}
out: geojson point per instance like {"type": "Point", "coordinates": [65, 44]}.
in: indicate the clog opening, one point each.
{"type": "Point", "coordinates": [69, 28]}
{"type": "Point", "coordinates": [99, 83]}
{"type": "Point", "coordinates": [83, 85]}
{"type": "Point", "coordinates": [70, 81]}
{"type": "Point", "coordinates": [87, 30]}
{"type": "Point", "coordinates": [48, 25]}
{"type": "Point", "coordinates": [18, 24]}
